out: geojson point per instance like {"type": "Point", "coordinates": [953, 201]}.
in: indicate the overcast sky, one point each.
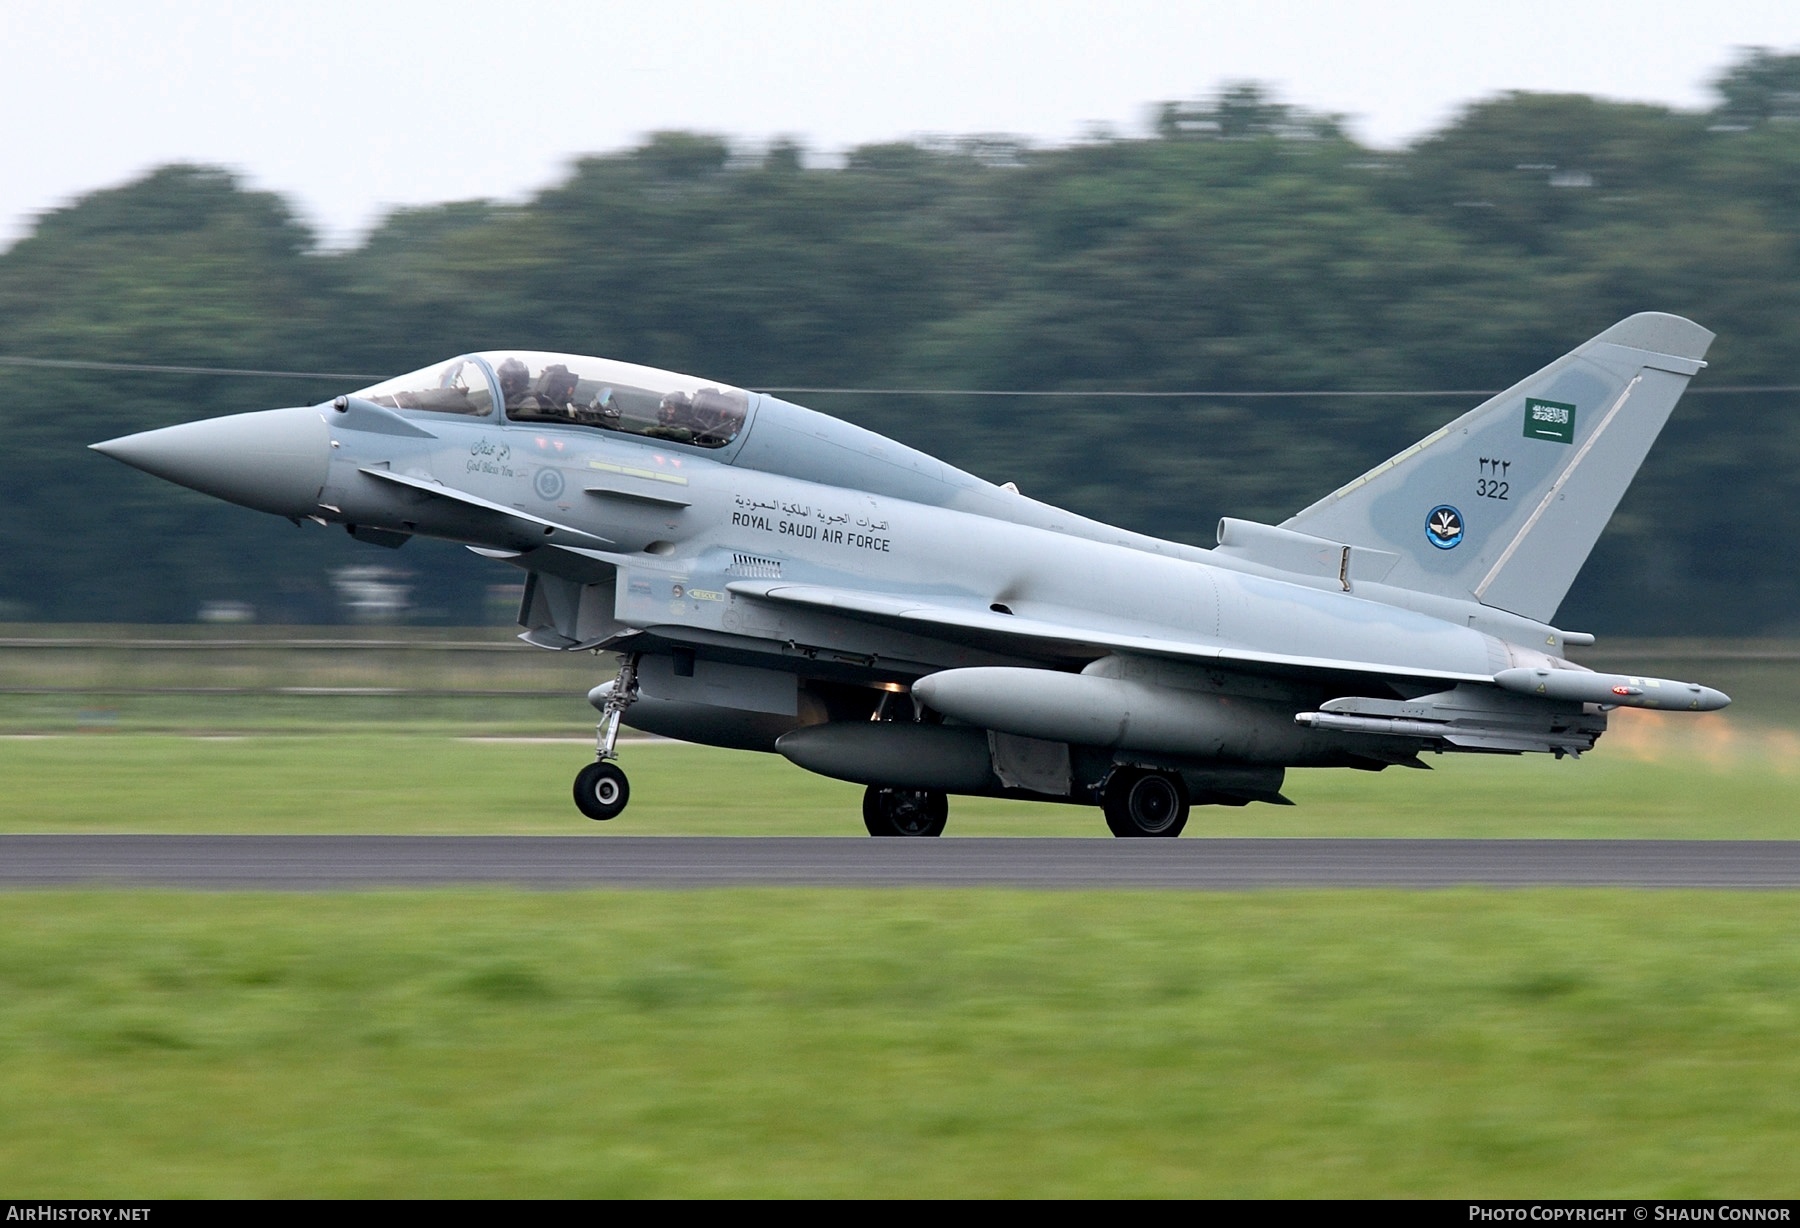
{"type": "Point", "coordinates": [351, 108]}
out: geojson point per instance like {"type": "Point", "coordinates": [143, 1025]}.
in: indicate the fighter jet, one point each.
{"type": "Point", "coordinates": [774, 579]}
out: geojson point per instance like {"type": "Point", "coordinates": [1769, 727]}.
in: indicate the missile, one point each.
{"type": "Point", "coordinates": [1613, 690]}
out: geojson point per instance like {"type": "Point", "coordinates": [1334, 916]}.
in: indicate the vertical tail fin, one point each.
{"type": "Point", "coordinates": [1504, 504]}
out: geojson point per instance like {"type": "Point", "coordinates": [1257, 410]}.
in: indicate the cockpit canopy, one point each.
{"type": "Point", "coordinates": [572, 390]}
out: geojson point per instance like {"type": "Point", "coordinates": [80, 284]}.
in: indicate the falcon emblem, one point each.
{"type": "Point", "coordinates": [1444, 526]}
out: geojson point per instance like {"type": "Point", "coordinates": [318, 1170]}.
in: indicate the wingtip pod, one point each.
{"type": "Point", "coordinates": [1661, 333]}
{"type": "Point", "coordinates": [1616, 690]}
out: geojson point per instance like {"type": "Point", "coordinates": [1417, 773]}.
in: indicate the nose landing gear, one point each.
{"type": "Point", "coordinates": [601, 789]}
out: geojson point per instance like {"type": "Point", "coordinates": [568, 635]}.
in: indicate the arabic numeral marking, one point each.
{"type": "Point", "coordinates": [1488, 489]}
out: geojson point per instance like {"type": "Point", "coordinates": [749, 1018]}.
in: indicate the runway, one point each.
{"type": "Point", "coordinates": [322, 863]}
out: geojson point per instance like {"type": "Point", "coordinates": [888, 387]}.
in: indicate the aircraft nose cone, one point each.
{"type": "Point", "coordinates": [274, 460]}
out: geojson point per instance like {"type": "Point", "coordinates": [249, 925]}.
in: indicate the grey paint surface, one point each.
{"type": "Point", "coordinates": [319, 863]}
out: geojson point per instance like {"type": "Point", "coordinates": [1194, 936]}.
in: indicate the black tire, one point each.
{"type": "Point", "coordinates": [601, 791]}
{"type": "Point", "coordinates": [905, 812]}
{"type": "Point", "coordinates": [1141, 803]}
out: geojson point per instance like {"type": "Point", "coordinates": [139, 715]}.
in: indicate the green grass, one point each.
{"type": "Point", "coordinates": [901, 1043]}
{"type": "Point", "coordinates": [891, 1043]}
{"type": "Point", "coordinates": [883, 1043]}
{"type": "Point", "coordinates": [553, 715]}
{"type": "Point", "coordinates": [1743, 787]}
{"type": "Point", "coordinates": [239, 679]}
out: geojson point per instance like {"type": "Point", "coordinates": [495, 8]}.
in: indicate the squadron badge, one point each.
{"type": "Point", "coordinates": [1444, 527]}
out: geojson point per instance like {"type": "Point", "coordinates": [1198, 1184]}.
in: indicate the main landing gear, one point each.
{"type": "Point", "coordinates": [1139, 802]}
{"type": "Point", "coordinates": [601, 789]}
{"type": "Point", "coordinates": [904, 812]}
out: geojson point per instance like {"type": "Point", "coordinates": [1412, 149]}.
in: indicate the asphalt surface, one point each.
{"type": "Point", "coordinates": [317, 863]}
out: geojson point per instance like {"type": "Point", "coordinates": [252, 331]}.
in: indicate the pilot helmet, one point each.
{"type": "Point", "coordinates": [675, 405]}
{"type": "Point", "coordinates": [514, 377]}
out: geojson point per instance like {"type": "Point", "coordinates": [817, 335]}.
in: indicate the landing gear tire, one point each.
{"type": "Point", "coordinates": [601, 791]}
{"type": "Point", "coordinates": [905, 812]}
{"type": "Point", "coordinates": [1143, 803]}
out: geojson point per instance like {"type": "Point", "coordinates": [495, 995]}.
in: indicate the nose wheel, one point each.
{"type": "Point", "coordinates": [601, 791]}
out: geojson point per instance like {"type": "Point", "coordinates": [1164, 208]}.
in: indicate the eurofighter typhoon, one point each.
{"type": "Point", "coordinates": [777, 580]}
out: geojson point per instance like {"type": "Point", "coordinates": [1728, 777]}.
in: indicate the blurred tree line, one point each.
{"type": "Point", "coordinates": [1242, 245]}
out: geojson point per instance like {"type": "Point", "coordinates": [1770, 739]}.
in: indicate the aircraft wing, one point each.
{"type": "Point", "coordinates": [1043, 637]}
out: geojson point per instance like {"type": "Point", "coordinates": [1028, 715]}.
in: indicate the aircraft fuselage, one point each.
{"type": "Point", "coordinates": [777, 579]}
